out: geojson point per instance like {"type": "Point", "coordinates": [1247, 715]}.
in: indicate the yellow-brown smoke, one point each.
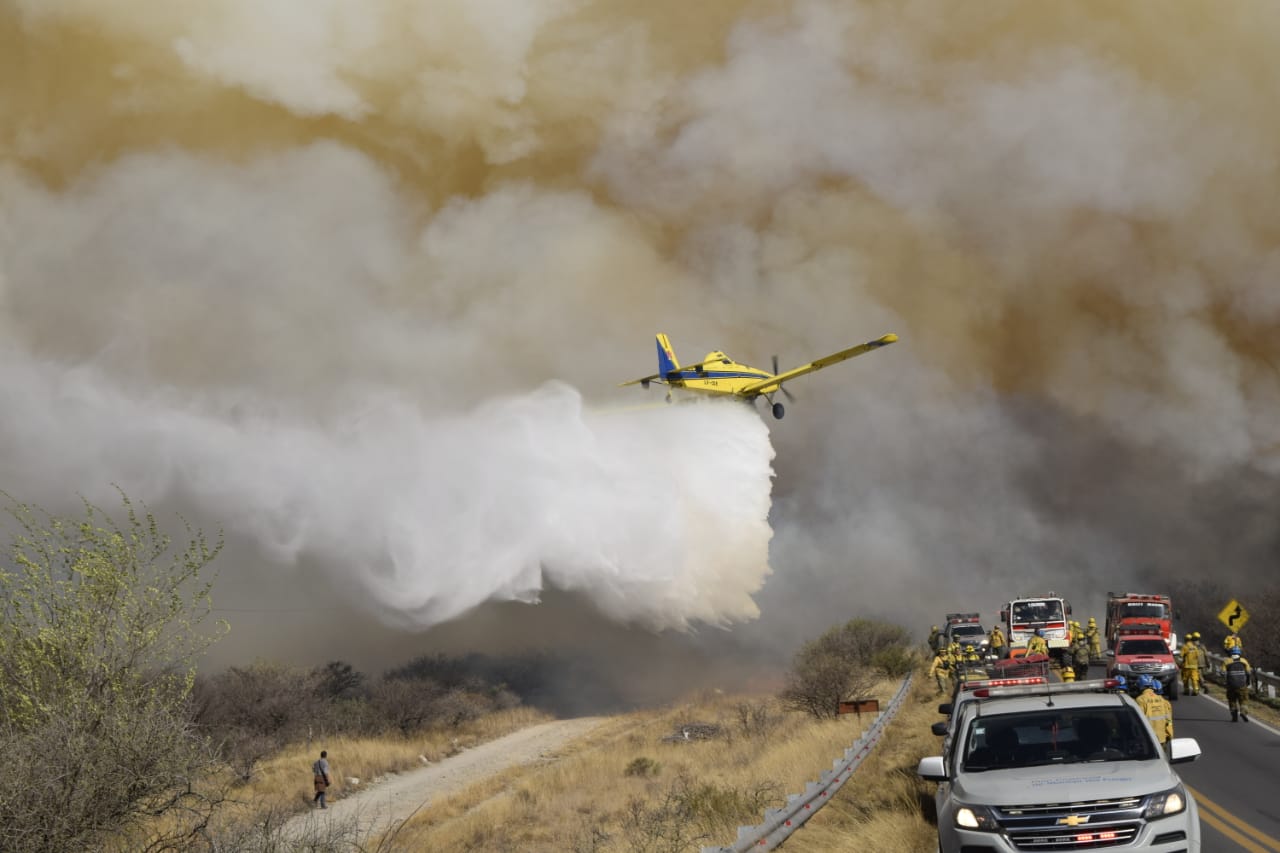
{"type": "Point", "coordinates": [1067, 209]}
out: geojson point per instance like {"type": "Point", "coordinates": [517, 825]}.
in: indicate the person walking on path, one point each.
{"type": "Point", "coordinates": [320, 771]}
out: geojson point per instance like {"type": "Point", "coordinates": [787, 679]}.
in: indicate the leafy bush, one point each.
{"type": "Point", "coordinates": [896, 661]}
{"type": "Point", "coordinates": [102, 625]}
{"type": "Point", "coordinates": [843, 663]}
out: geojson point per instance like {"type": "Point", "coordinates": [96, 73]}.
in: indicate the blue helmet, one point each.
{"type": "Point", "coordinates": [1039, 632]}
{"type": "Point", "coordinates": [1121, 682]}
{"type": "Point", "coordinates": [1156, 686]}
{"type": "Point", "coordinates": [1145, 681]}
{"type": "Point", "coordinates": [1236, 652]}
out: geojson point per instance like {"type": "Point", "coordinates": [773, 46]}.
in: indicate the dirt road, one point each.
{"type": "Point", "coordinates": [384, 804]}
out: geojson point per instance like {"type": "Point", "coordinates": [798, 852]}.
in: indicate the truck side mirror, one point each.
{"type": "Point", "coordinates": [931, 768]}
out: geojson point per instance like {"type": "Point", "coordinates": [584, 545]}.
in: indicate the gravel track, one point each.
{"type": "Point", "coordinates": [391, 800]}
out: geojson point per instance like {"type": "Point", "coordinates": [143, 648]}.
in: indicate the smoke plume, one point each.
{"type": "Point", "coordinates": [357, 283]}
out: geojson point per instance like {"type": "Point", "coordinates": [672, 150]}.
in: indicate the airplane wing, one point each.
{"type": "Point", "coordinates": [766, 386]}
{"type": "Point", "coordinates": [657, 377]}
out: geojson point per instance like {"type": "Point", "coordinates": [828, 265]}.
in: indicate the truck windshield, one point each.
{"type": "Point", "coordinates": [1144, 610]}
{"type": "Point", "coordinates": [1067, 736]}
{"type": "Point", "coordinates": [1030, 612]}
{"type": "Point", "coordinates": [1142, 647]}
{"type": "Point", "coordinates": [968, 631]}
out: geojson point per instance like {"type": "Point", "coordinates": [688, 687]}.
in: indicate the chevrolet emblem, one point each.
{"type": "Point", "coordinates": [1073, 819]}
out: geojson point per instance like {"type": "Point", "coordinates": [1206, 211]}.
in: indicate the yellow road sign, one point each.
{"type": "Point", "coordinates": [1233, 616]}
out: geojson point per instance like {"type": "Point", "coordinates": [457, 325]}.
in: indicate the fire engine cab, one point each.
{"type": "Point", "coordinates": [1022, 617]}
{"type": "Point", "coordinates": [1130, 610]}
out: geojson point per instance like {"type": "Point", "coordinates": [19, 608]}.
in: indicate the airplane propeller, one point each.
{"type": "Point", "coordinates": [782, 388]}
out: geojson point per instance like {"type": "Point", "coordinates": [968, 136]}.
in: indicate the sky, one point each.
{"type": "Point", "coordinates": [355, 282]}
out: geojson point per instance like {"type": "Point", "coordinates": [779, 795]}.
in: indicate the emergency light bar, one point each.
{"type": "Point", "coordinates": [1004, 682]}
{"type": "Point", "coordinates": [1047, 689]}
{"type": "Point", "coordinates": [964, 617]}
{"type": "Point", "coordinates": [1138, 596]}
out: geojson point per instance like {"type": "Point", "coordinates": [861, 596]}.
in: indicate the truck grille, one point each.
{"type": "Point", "coordinates": [1145, 667]}
{"type": "Point", "coordinates": [1079, 838]}
{"type": "Point", "coordinates": [1094, 825]}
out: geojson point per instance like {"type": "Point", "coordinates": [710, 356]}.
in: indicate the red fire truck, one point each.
{"type": "Point", "coordinates": [1131, 610]}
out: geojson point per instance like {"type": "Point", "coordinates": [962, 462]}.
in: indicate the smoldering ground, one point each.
{"type": "Point", "coordinates": [321, 236]}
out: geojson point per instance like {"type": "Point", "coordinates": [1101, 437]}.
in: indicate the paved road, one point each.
{"type": "Point", "coordinates": [1237, 779]}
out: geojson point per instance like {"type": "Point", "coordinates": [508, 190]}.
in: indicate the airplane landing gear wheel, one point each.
{"type": "Point", "coordinates": [778, 411]}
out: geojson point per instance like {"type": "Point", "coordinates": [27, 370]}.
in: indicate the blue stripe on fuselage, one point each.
{"type": "Point", "coordinates": [713, 374]}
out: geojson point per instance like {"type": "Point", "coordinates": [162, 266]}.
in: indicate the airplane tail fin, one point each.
{"type": "Point", "coordinates": [667, 361]}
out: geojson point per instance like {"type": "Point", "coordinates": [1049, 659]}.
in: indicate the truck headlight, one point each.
{"type": "Point", "coordinates": [976, 817]}
{"type": "Point", "coordinates": [1166, 803]}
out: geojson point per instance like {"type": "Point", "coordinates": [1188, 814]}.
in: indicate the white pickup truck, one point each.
{"type": "Point", "coordinates": [1059, 767]}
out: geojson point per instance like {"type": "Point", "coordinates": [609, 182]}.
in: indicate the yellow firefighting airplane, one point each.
{"type": "Point", "coordinates": [719, 375]}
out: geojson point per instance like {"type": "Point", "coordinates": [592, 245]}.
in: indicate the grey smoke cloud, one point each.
{"type": "Point", "coordinates": [412, 218]}
{"type": "Point", "coordinates": [225, 348]}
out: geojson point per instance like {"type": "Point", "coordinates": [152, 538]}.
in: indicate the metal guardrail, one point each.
{"type": "Point", "coordinates": [780, 823]}
{"type": "Point", "coordinates": [1268, 681]}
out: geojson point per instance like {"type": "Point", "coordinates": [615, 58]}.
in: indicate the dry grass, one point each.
{"type": "Point", "coordinates": [285, 779]}
{"type": "Point", "coordinates": [885, 806]}
{"type": "Point", "coordinates": [282, 785]}
{"type": "Point", "coordinates": [624, 789]}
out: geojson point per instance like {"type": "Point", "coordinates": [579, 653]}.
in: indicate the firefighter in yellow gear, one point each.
{"type": "Point", "coordinates": [1156, 708]}
{"type": "Point", "coordinates": [997, 642]}
{"type": "Point", "coordinates": [1037, 645]}
{"type": "Point", "coordinates": [1232, 642]}
{"type": "Point", "coordinates": [1079, 658]}
{"type": "Point", "coordinates": [1192, 657]}
{"type": "Point", "coordinates": [939, 670]}
{"type": "Point", "coordinates": [1095, 639]}
{"type": "Point", "coordinates": [934, 633]}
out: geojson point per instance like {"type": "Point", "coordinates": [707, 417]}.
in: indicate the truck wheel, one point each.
{"type": "Point", "coordinates": [1172, 692]}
